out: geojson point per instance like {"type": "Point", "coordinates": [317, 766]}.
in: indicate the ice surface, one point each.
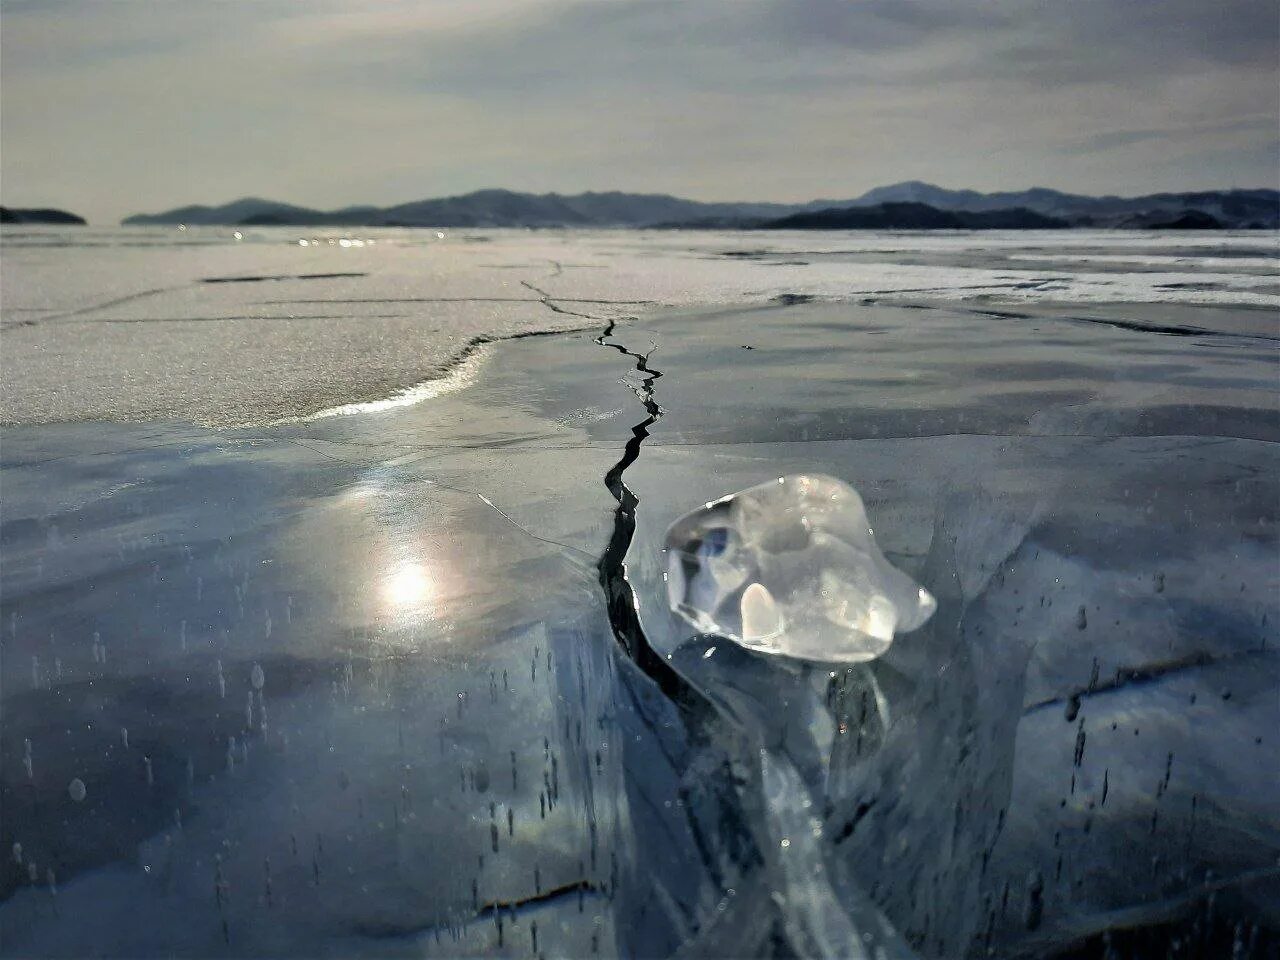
{"type": "Point", "coordinates": [994, 784]}
{"type": "Point", "coordinates": [418, 590]}
{"type": "Point", "coordinates": [791, 567]}
{"type": "Point", "coordinates": [120, 323]}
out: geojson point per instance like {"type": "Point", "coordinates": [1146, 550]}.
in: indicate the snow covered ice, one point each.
{"type": "Point", "coordinates": [792, 567]}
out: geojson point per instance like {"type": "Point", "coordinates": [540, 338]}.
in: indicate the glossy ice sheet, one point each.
{"type": "Point", "coordinates": [322, 696]}
{"type": "Point", "coordinates": [1080, 737]}
{"type": "Point", "coordinates": [1084, 734]}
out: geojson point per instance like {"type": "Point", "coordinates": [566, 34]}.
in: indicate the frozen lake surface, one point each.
{"type": "Point", "coordinates": [293, 670]}
{"type": "Point", "coordinates": [148, 324]}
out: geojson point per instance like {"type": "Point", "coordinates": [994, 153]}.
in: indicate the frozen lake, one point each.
{"type": "Point", "coordinates": [333, 618]}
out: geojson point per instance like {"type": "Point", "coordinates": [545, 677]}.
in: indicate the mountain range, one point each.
{"type": "Point", "coordinates": [1231, 208]}
{"type": "Point", "coordinates": [908, 205]}
{"type": "Point", "coordinates": [483, 208]}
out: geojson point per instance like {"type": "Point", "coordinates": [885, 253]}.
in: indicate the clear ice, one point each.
{"type": "Point", "coordinates": [791, 567]}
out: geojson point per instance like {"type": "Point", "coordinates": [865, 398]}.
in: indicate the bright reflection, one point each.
{"type": "Point", "coordinates": [408, 587]}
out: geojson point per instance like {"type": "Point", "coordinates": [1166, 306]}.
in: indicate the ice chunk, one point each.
{"type": "Point", "coordinates": [791, 567]}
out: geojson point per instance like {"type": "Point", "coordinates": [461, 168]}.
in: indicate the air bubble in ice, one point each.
{"type": "Point", "coordinates": [791, 567]}
{"type": "Point", "coordinates": [76, 790]}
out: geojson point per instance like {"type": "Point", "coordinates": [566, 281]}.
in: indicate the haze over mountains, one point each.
{"type": "Point", "coordinates": [903, 205]}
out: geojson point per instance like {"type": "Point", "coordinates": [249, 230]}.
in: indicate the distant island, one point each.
{"type": "Point", "coordinates": [906, 206]}
{"type": "Point", "coordinates": [38, 215]}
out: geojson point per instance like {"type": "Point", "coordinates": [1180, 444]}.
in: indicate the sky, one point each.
{"type": "Point", "coordinates": [112, 107]}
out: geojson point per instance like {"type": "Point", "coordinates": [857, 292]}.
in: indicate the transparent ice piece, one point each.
{"type": "Point", "coordinates": [791, 567]}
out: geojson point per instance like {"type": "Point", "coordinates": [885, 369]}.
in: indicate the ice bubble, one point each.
{"type": "Point", "coordinates": [76, 790]}
{"type": "Point", "coordinates": [791, 567]}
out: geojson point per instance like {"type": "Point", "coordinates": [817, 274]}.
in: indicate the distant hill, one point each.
{"type": "Point", "coordinates": [501, 208]}
{"type": "Point", "coordinates": [1190, 220]}
{"type": "Point", "coordinates": [1010, 210]}
{"type": "Point", "coordinates": [1228, 208]}
{"type": "Point", "coordinates": [484, 208]}
{"type": "Point", "coordinates": [914, 191]}
{"type": "Point", "coordinates": [245, 211]}
{"type": "Point", "coordinates": [38, 215]}
{"type": "Point", "coordinates": [914, 216]}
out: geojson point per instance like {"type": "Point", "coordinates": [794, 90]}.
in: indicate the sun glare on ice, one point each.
{"type": "Point", "coordinates": [408, 588]}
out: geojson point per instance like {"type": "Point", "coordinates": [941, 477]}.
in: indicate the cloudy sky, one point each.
{"type": "Point", "coordinates": [110, 107]}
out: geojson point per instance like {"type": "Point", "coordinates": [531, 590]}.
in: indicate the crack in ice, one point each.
{"type": "Point", "coordinates": [620, 596]}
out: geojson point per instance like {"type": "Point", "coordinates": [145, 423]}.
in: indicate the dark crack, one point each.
{"type": "Point", "coordinates": [1137, 326]}
{"type": "Point", "coordinates": [548, 301]}
{"type": "Point", "coordinates": [244, 317]}
{"type": "Point", "coordinates": [547, 896]}
{"type": "Point", "coordinates": [114, 302]}
{"type": "Point", "coordinates": [620, 596]}
{"type": "Point", "coordinates": [494, 911]}
{"type": "Point", "coordinates": [1031, 284]}
{"type": "Point", "coordinates": [541, 296]}
{"type": "Point", "coordinates": [283, 276]}
{"type": "Point", "coordinates": [1143, 674]}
